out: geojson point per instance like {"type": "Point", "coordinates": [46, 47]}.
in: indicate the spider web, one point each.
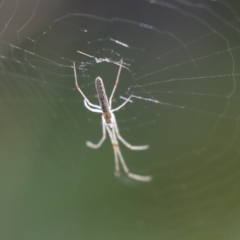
{"type": "Point", "coordinates": [181, 66]}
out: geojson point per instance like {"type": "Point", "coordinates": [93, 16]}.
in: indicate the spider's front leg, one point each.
{"type": "Point", "coordinates": [98, 145]}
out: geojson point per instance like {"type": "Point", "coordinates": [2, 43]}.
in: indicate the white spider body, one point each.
{"type": "Point", "coordinates": [109, 123]}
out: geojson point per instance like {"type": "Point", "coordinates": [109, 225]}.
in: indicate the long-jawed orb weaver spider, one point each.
{"type": "Point", "coordinates": [109, 123]}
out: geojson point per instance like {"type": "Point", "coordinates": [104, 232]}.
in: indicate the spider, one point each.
{"type": "Point", "coordinates": [109, 124]}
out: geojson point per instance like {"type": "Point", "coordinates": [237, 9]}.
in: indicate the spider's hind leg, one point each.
{"type": "Point", "coordinates": [129, 174]}
{"type": "Point", "coordinates": [128, 145]}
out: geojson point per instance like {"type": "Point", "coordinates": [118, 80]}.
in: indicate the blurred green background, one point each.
{"type": "Point", "coordinates": [182, 55]}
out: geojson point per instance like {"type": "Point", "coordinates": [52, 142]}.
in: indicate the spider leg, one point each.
{"type": "Point", "coordinates": [98, 145]}
{"type": "Point", "coordinates": [128, 145]}
{"type": "Point", "coordinates": [123, 104]}
{"type": "Point", "coordinates": [117, 170]}
{"type": "Point", "coordinates": [129, 174]}
{"type": "Point", "coordinates": [79, 89]}
{"type": "Point", "coordinates": [118, 156]}
{"type": "Point", "coordinates": [115, 146]}
{"type": "Point", "coordinates": [91, 108]}
{"type": "Point", "coordinates": [115, 85]}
